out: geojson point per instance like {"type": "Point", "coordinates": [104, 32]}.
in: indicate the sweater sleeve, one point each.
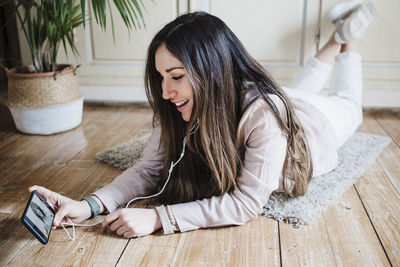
{"type": "Point", "coordinates": [139, 180]}
{"type": "Point", "coordinates": [265, 152]}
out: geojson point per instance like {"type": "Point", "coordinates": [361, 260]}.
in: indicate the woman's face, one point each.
{"type": "Point", "coordinates": [175, 83]}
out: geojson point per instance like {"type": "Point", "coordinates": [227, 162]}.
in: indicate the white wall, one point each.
{"type": "Point", "coordinates": [279, 34]}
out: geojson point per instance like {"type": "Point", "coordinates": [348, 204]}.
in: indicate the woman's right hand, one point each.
{"type": "Point", "coordinates": [77, 211]}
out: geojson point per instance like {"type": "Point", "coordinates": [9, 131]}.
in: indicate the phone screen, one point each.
{"type": "Point", "coordinates": [38, 217]}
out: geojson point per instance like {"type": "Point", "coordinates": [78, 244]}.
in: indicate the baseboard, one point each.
{"type": "Point", "coordinates": [381, 98]}
{"type": "Point", "coordinates": [114, 94]}
{"type": "Point", "coordinates": [136, 94]}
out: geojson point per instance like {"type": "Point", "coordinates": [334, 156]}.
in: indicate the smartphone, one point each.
{"type": "Point", "coordinates": [38, 217]}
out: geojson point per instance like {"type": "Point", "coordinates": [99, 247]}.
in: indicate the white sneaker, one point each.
{"type": "Point", "coordinates": [351, 19]}
{"type": "Point", "coordinates": [343, 10]}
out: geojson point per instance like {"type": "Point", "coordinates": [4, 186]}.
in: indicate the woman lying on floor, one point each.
{"type": "Point", "coordinates": [238, 136]}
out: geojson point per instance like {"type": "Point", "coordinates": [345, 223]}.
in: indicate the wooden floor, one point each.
{"type": "Point", "coordinates": [361, 229]}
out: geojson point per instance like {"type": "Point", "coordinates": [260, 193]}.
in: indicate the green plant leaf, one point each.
{"type": "Point", "coordinates": [47, 24]}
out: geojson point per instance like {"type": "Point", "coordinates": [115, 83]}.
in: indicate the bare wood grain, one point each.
{"type": "Point", "coordinates": [17, 237]}
{"type": "Point", "coordinates": [28, 151]}
{"type": "Point", "coordinates": [67, 165]}
{"type": "Point", "coordinates": [391, 155]}
{"type": "Point", "coordinates": [307, 245]}
{"type": "Point", "coordinates": [106, 249]}
{"type": "Point", "coordinates": [7, 126]}
{"type": "Point", "coordinates": [380, 185]}
{"type": "Point", "coordinates": [118, 130]}
{"type": "Point", "coordinates": [153, 250]}
{"type": "Point", "coordinates": [352, 236]}
{"type": "Point", "coordinates": [87, 176]}
{"type": "Point", "coordinates": [41, 167]}
{"type": "Point", "coordinates": [203, 248]}
{"type": "Point", "coordinates": [254, 244]}
{"type": "Point", "coordinates": [92, 246]}
{"type": "Point", "coordinates": [49, 156]}
{"type": "Point", "coordinates": [391, 124]}
{"type": "Point", "coordinates": [382, 203]}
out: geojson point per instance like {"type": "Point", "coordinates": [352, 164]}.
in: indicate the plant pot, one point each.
{"type": "Point", "coordinates": [45, 103]}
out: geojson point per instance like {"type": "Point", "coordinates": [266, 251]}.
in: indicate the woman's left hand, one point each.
{"type": "Point", "coordinates": [132, 222]}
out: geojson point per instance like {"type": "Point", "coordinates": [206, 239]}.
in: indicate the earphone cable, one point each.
{"type": "Point", "coordinates": [70, 223]}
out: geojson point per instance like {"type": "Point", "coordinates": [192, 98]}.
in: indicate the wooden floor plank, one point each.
{"type": "Point", "coordinates": [25, 150]}
{"type": "Point", "coordinates": [94, 247]}
{"type": "Point", "coordinates": [3, 216]}
{"type": "Point", "coordinates": [211, 251]}
{"type": "Point", "coordinates": [54, 152]}
{"type": "Point", "coordinates": [153, 250]}
{"type": "Point", "coordinates": [390, 155]}
{"type": "Point", "coordinates": [20, 177]}
{"type": "Point", "coordinates": [106, 249]}
{"type": "Point", "coordinates": [391, 124]}
{"type": "Point", "coordinates": [352, 236]}
{"type": "Point", "coordinates": [28, 150]}
{"type": "Point", "coordinates": [15, 192]}
{"type": "Point", "coordinates": [15, 235]}
{"type": "Point", "coordinates": [382, 203]}
{"type": "Point", "coordinates": [380, 186]}
{"type": "Point", "coordinates": [69, 181]}
{"type": "Point", "coordinates": [19, 143]}
{"type": "Point", "coordinates": [7, 126]}
{"type": "Point", "coordinates": [307, 245]}
{"type": "Point", "coordinates": [254, 244]}
{"type": "Point", "coordinates": [53, 148]}
{"type": "Point", "coordinates": [76, 251]}
{"type": "Point", "coordinates": [42, 167]}
{"type": "Point", "coordinates": [8, 137]}
{"type": "Point", "coordinates": [120, 130]}
{"type": "Point", "coordinates": [351, 232]}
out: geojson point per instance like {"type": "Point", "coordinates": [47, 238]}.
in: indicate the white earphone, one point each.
{"type": "Point", "coordinates": [70, 223]}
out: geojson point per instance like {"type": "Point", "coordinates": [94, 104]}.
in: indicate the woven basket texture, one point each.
{"type": "Point", "coordinates": [39, 92]}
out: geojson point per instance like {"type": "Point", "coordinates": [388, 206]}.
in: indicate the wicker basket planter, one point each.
{"type": "Point", "coordinates": [45, 103]}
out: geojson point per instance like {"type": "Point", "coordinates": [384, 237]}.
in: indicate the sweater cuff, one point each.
{"type": "Point", "coordinates": [167, 219]}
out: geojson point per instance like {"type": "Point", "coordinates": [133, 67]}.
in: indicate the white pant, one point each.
{"type": "Point", "coordinates": [342, 106]}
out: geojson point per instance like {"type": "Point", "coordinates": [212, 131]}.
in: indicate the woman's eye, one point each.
{"type": "Point", "coordinates": [177, 77]}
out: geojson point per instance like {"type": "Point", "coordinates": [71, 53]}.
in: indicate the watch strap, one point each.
{"type": "Point", "coordinates": [94, 206]}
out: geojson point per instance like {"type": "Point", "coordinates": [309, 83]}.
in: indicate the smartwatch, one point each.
{"type": "Point", "coordinates": [94, 206]}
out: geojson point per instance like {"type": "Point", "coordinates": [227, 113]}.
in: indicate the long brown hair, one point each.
{"type": "Point", "coordinates": [218, 67]}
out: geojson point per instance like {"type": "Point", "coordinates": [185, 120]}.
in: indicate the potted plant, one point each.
{"type": "Point", "coordinates": [44, 98]}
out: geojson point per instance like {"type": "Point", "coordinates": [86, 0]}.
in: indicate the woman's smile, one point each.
{"type": "Point", "coordinates": [174, 82]}
{"type": "Point", "coordinates": [181, 105]}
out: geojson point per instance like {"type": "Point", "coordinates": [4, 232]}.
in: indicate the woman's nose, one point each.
{"type": "Point", "coordinates": [168, 91]}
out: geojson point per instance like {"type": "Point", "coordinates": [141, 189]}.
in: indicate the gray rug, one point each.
{"type": "Point", "coordinates": [354, 157]}
{"type": "Point", "coordinates": [125, 155]}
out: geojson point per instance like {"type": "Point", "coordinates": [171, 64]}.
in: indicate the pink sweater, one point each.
{"type": "Point", "coordinates": [265, 151]}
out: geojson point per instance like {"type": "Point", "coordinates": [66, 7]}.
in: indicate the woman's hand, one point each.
{"type": "Point", "coordinates": [132, 222]}
{"type": "Point", "coordinates": [77, 211]}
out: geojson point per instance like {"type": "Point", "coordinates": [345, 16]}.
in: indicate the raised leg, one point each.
{"type": "Point", "coordinates": [343, 106]}
{"type": "Point", "coordinates": [315, 73]}
{"type": "Point", "coordinates": [329, 51]}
